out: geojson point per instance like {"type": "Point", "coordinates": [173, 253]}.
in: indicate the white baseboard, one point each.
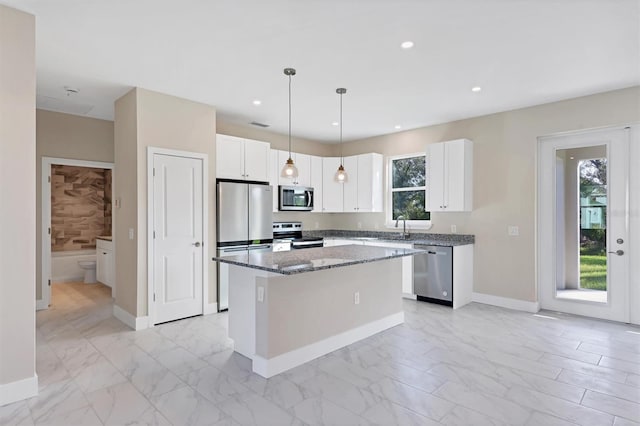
{"type": "Point", "coordinates": [276, 365]}
{"type": "Point", "coordinates": [136, 323]}
{"type": "Point", "coordinates": [68, 279]}
{"type": "Point", "coordinates": [41, 305]}
{"type": "Point", "coordinates": [18, 390]}
{"type": "Point", "coordinates": [409, 296]}
{"type": "Point", "coordinates": [505, 302]}
{"type": "Point", "coordinates": [211, 308]}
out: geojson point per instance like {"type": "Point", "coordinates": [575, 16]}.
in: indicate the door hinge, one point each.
{"type": "Point", "coordinates": [154, 235]}
{"type": "Point", "coordinates": [49, 179]}
{"type": "Point", "coordinates": [49, 231]}
{"type": "Point", "coordinates": [49, 283]}
{"type": "Point", "coordinates": [154, 297]}
{"type": "Point", "coordinates": [154, 171]}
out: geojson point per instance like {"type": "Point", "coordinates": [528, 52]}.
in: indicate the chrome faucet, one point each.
{"type": "Point", "coordinates": [405, 234]}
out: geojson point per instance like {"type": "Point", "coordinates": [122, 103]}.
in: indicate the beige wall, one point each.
{"type": "Point", "coordinates": [125, 198]}
{"type": "Point", "coordinates": [277, 140]}
{"type": "Point", "coordinates": [71, 137]}
{"type": "Point", "coordinates": [149, 119]}
{"type": "Point", "coordinates": [504, 180]}
{"type": "Point", "coordinates": [18, 206]}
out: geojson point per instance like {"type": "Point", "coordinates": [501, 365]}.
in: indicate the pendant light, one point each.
{"type": "Point", "coordinates": [289, 170]}
{"type": "Point", "coordinates": [341, 174]}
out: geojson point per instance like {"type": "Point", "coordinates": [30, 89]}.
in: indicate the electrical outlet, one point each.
{"type": "Point", "coordinates": [359, 225]}
{"type": "Point", "coordinates": [131, 234]}
{"type": "Point", "coordinates": [513, 230]}
{"type": "Point", "coordinates": [376, 226]}
{"type": "Point", "coordinates": [356, 298]}
{"type": "Point", "coordinates": [260, 294]}
{"type": "Point", "coordinates": [317, 225]}
{"type": "Point", "coordinates": [454, 229]}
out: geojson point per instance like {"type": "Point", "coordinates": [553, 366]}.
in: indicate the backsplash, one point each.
{"type": "Point", "coordinates": [80, 207]}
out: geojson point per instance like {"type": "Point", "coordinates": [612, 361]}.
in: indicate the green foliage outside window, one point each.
{"type": "Point", "coordinates": [408, 178]}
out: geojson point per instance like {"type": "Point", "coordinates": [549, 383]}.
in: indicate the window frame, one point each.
{"type": "Point", "coordinates": [389, 222]}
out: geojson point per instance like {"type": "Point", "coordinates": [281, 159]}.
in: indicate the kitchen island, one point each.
{"type": "Point", "coordinates": [287, 308]}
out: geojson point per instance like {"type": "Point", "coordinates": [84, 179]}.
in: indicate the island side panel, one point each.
{"type": "Point", "coordinates": [242, 308]}
{"type": "Point", "coordinates": [303, 309]}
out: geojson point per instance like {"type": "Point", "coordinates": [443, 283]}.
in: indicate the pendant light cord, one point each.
{"type": "Point", "coordinates": [341, 150]}
{"type": "Point", "coordinates": [289, 115]}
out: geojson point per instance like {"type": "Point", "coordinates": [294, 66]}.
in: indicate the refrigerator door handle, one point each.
{"type": "Point", "coordinates": [258, 247]}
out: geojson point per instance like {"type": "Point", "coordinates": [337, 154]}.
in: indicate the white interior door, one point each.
{"type": "Point", "coordinates": [563, 217]}
{"type": "Point", "coordinates": [178, 243]}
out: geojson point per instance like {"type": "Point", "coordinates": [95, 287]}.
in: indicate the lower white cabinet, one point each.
{"type": "Point", "coordinates": [105, 262]}
{"type": "Point", "coordinates": [407, 265]}
{"type": "Point", "coordinates": [407, 261]}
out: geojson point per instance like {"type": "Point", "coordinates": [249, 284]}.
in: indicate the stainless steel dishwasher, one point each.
{"type": "Point", "coordinates": [433, 274]}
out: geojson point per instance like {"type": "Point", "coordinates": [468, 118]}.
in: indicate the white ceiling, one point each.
{"type": "Point", "coordinates": [227, 53]}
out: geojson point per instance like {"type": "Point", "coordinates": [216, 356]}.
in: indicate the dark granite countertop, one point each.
{"type": "Point", "coordinates": [315, 259]}
{"type": "Point", "coordinates": [422, 238]}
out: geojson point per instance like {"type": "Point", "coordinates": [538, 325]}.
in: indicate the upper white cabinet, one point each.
{"type": "Point", "coordinates": [363, 190]}
{"type": "Point", "coordinates": [274, 176]}
{"type": "Point", "coordinates": [332, 191]}
{"type": "Point", "coordinates": [243, 159]}
{"type": "Point", "coordinates": [316, 182]}
{"type": "Point", "coordinates": [450, 176]}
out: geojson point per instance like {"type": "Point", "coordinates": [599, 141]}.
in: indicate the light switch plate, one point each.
{"type": "Point", "coordinates": [454, 229]}
{"type": "Point", "coordinates": [513, 230]}
{"type": "Point", "coordinates": [131, 234]}
{"type": "Point", "coordinates": [260, 294]}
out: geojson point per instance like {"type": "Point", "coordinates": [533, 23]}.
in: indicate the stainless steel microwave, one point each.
{"type": "Point", "coordinates": [297, 198]}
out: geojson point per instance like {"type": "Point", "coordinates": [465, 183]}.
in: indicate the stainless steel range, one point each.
{"type": "Point", "coordinates": [288, 236]}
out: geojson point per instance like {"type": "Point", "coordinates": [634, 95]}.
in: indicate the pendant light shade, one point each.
{"type": "Point", "coordinates": [289, 170]}
{"type": "Point", "coordinates": [341, 175]}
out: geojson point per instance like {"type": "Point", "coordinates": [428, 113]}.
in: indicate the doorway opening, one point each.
{"type": "Point", "coordinates": [77, 246]}
{"type": "Point", "coordinates": [581, 185]}
{"type": "Point", "coordinates": [583, 223]}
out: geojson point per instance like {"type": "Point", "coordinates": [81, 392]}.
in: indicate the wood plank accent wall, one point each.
{"type": "Point", "coordinates": [80, 207]}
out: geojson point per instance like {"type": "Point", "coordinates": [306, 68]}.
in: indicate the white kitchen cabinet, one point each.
{"type": "Point", "coordinates": [449, 176]}
{"type": "Point", "coordinates": [316, 182]}
{"type": "Point", "coordinates": [332, 191]}
{"type": "Point", "coordinates": [407, 265]}
{"type": "Point", "coordinates": [363, 191]}
{"type": "Point", "coordinates": [243, 159]}
{"type": "Point", "coordinates": [274, 176]}
{"type": "Point", "coordinates": [105, 262]}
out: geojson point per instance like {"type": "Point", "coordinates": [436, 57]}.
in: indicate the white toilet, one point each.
{"type": "Point", "coordinates": [89, 267]}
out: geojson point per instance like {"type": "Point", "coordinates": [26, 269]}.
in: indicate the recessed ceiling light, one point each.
{"type": "Point", "coordinates": [335, 123]}
{"type": "Point", "coordinates": [476, 89]}
{"type": "Point", "coordinates": [406, 44]}
{"type": "Point", "coordinates": [257, 102]}
{"type": "Point", "coordinates": [397, 126]}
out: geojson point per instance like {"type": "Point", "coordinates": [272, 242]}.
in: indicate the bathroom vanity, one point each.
{"type": "Point", "coordinates": [105, 261]}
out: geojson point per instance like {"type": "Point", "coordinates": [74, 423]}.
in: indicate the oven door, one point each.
{"type": "Point", "coordinates": [297, 198]}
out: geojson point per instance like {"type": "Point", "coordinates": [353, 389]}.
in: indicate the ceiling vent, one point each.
{"type": "Point", "coordinates": [62, 105]}
{"type": "Point", "coordinates": [255, 123]}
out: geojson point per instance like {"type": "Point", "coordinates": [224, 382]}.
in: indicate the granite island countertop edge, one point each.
{"type": "Point", "coordinates": [245, 260]}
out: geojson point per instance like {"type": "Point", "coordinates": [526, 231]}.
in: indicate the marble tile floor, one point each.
{"type": "Point", "coordinates": [479, 365]}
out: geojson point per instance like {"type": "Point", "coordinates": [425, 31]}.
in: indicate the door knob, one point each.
{"type": "Point", "coordinates": [618, 252]}
{"type": "Point", "coordinates": [197, 244]}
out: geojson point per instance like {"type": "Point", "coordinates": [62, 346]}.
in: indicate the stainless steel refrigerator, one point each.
{"type": "Point", "coordinates": [244, 224]}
